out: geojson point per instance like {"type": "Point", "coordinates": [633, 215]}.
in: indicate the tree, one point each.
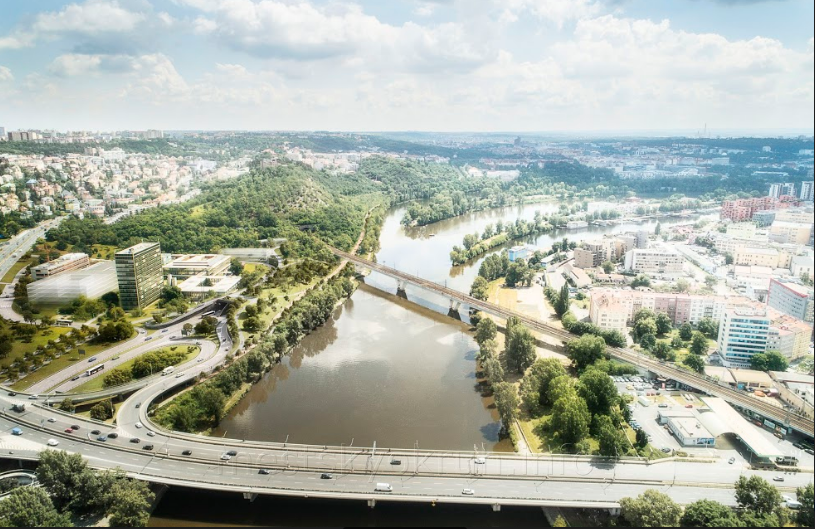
{"type": "Point", "coordinates": [103, 411]}
{"type": "Point", "coordinates": [6, 341]}
{"type": "Point", "coordinates": [709, 328]}
{"type": "Point", "coordinates": [116, 313]}
{"type": "Point", "coordinates": [686, 331]}
{"type": "Point", "coordinates": [644, 314]}
{"type": "Point", "coordinates": [757, 495]}
{"type": "Point", "coordinates": [506, 401]}
{"type": "Point", "coordinates": [695, 362]}
{"type": "Point", "coordinates": [493, 370]}
{"type": "Point", "coordinates": [682, 285]}
{"type": "Point", "coordinates": [613, 442]}
{"type": "Point", "coordinates": [560, 522]}
{"type": "Point", "coordinates": [485, 330]}
{"type": "Point", "coordinates": [235, 266]}
{"type": "Point", "coordinates": [598, 390]}
{"type": "Point", "coordinates": [651, 509]}
{"type": "Point", "coordinates": [608, 267]}
{"type": "Point", "coordinates": [769, 361]}
{"type": "Point", "coordinates": [641, 439]}
{"type": "Point", "coordinates": [644, 326]}
{"type": "Point", "coordinates": [711, 281]}
{"type": "Point", "coordinates": [187, 329]}
{"type": "Point", "coordinates": [130, 502]}
{"type": "Point", "coordinates": [561, 304]}
{"type": "Point", "coordinates": [117, 377]}
{"type": "Point", "coordinates": [111, 299]}
{"type": "Point", "coordinates": [698, 344]}
{"type": "Point", "coordinates": [805, 515]}
{"type": "Point", "coordinates": [641, 280]}
{"type": "Point", "coordinates": [31, 507]}
{"type": "Point", "coordinates": [521, 351]}
{"type": "Point", "coordinates": [206, 326]}
{"type": "Point", "coordinates": [586, 350]}
{"type": "Point", "coordinates": [648, 342]}
{"type": "Point", "coordinates": [67, 405]}
{"type": "Point", "coordinates": [708, 513]}
{"type": "Point", "coordinates": [67, 478]}
{"type": "Point", "coordinates": [536, 384]}
{"type": "Point", "coordinates": [664, 323]}
{"type": "Point", "coordinates": [570, 418]}
{"type": "Point", "coordinates": [478, 290]}
{"type": "Point", "coordinates": [661, 350]}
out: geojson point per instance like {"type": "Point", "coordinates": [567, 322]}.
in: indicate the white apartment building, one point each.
{"type": "Point", "coordinates": [609, 312]}
{"type": "Point", "coordinates": [654, 261]}
{"type": "Point", "coordinates": [791, 298]}
{"type": "Point", "coordinates": [742, 334]}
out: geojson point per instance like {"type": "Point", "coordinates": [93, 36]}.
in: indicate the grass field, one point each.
{"type": "Point", "coordinates": [269, 315]}
{"type": "Point", "coordinates": [16, 267]}
{"type": "Point", "coordinates": [97, 383]}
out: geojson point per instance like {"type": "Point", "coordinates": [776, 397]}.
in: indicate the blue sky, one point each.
{"type": "Point", "coordinates": [441, 65]}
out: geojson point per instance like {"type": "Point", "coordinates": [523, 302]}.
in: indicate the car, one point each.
{"type": "Point", "coordinates": [689, 405]}
{"type": "Point", "coordinates": [95, 432]}
{"type": "Point", "coordinates": [225, 457]}
{"type": "Point", "coordinates": [139, 425]}
{"type": "Point", "coordinates": [102, 438]}
{"type": "Point", "coordinates": [263, 472]}
{"type": "Point", "coordinates": [115, 357]}
{"type": "Point", "coordinates": [666, 450]}
{"type": "Point", "coordinates": [799, 445]}
{"type": "Point", "coordinates": [199, 360]}
{"type": "Point", "coordinates": [150, 434]}
{"type": "Point", "coordinates": [12, 394]}
{"type": "Point", "coordinates": [468, 492]}
{"type": "Point", "coordinates": [113, 435]}
{"type": "Point", "coordinates": [138, 405]}
{"type": "Point", "coordinates": [731, 460]}
{"type": "Point", "coordinates": [232, 453]}
{"type": "Point", "coordinates": [186, 453]}
{"type": "Point", "coordinates": [326, 475]}
{"type": "Point", "coordinates": [16, 431]}
{"type": "Point", "coordinates": [148, 338]}
{"type": "Point", "coordinates": [92, 359]}
{"type": "Point", "coordinates": [33, 397]}
{"type": "Point", "coordinates": [197, 343]}
{"type": "Point", "coordinates": [179, 375]}
{"type": "Point", "coordinates": [51, 419]}
{"type": "Point", "coordinates": [395, 461]}
{"type": "Point", "coordinates": [68, 430]}
{"type": "Point", "coordinates": [663, 405]}
{"type": "Point", "coordinates": [480, 461]}
{"type": "Point", "coordinates": [74, 379]}
{"type": "Point", "coordinates": [147, 447]}
{"type": "Point", "coordinates": [135, 440]}
{"type": "Point", "coordinates": [74, 427]}
{"type": "Point", "coordinates": [778, 478]}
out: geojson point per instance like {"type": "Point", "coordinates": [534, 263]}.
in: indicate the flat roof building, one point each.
{"type": "Point", "coordinates": [197, 288]}
{"type": "Point", "coordinates": [190, 265]}
{"type": "Point", "coordinates": [743, 333]}
{"type": "Point", "coordinates": [791, 298]}
{"type": "Point", "coordinates": [65, 263]}
{"type": "Point", "coordinates": [91, 282]}
{"type": "Point", "coordinates": [138, 270]}
{"type": "Point", "coordinates": [654, 261]}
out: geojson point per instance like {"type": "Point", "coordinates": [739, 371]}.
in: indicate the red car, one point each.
{"type": "Point", "coordinates": [68, 430]}
{"type": "Point", "coordinates": [689, 405]}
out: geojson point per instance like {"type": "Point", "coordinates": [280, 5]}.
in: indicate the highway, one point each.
{"type": "Point", "coordinates": [738, 398]}
{"type": "Point", "coordinates": [23, 242]}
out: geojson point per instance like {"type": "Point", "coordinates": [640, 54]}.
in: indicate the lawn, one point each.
{"type": "Point", "coordinates": [97, 383]}
{"type": "Point", "coordinates": [270, 314]}
{"type": "Point", "coordinates": [16, 267]}
{"type": "Point", "coordinates": [60, 363]}
{"type": "Point", "coordinates": [544, 441]}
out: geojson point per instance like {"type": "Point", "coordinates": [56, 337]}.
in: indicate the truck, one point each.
{"type": "Point", "coordinates": [789, 461]}
{"type": "Point", "coordinates": [19, 408]}
{"type": "Point", "coordinates": [644, 401]}
{"type": "Point", "coordinates": [168, 371]}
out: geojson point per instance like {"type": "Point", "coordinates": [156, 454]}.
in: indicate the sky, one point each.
{"type": "Point", "coordinates": [391, 65]}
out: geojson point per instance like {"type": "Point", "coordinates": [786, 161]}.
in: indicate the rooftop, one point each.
{"type": "Point", "coordinates": [724, 419]}
{"type": "Point", "coordinates": [137, 248]}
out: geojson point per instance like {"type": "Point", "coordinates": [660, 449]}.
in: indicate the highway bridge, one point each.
{"type": "Point", "coordinates": [740, 399]}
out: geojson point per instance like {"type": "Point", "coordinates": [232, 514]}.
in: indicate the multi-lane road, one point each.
{"type": "Point", "coordinates": [11, 251]}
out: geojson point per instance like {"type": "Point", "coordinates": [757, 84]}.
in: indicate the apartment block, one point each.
{"type": "Point", "coordinates": [609, 312]}
{"type": "Point", "coordinates": [743, 333]}
{"type": "Point", "coordinates": [743, 209]}
{"type": "Point", "coordinates": [138, 270]}
{"type": "Point", "coordinates": [654, 261]}
{"type": "Point", "coordinates": [807, 191]}
{"type": "Point", "coordinates": [585, 258]}
{"type": "Point", "coordinates": [768, 257]}
{"type": "Point", "coordinates": [787, 232]}
{"type": "Point", "coordinates": [65, 263]}
{"type": "Point", "coordinates": [681, 308]}
{"type": "Point", "coordinates": [791, 298]}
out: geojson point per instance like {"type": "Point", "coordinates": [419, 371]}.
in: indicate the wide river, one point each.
{"type": "Point", "coordinates": [384, 370]}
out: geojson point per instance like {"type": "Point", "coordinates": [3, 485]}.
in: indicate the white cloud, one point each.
{"type": "Point", "coordinates": [558, 12]}
{"type": "Point", "coordinates": [92, 17]}
{"type": "Point", "coordinates": [5, 74]}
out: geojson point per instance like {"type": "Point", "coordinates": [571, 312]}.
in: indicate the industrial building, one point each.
{"type": "Point", "coordinates": [91, 282]}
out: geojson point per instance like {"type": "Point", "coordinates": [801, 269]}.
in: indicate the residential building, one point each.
{"type": "Point", "coordinates": [743, 333]}
{"type": "Point", "coordinates": [743, 209]}
{"type": "Point", "coordinates": [609, 312]}
{"type": "Point", "coordinates": [791, 298]}
{"type": "Point", "coordinates": [91, 282]}
{"type": "Point", "coordinates": [768, 257]}
{"type": "Point", "coordinates": [519, 252]}
{"type": "Point", "coordinates": [802, 264]}
{"type": "Point", "coordinates": [64, 263]}
{"type": "Point", "coordinates": [790, 232]}
{"type": "Point", "coordinates": [764, 218]}
{"type": "Point", "coordinates": [681, 308]}
{"type": "Point", "coordinates": [654, 261]}
{"type": "Point", "coordinates": [584, 258]}
{"type": "Point", "coordinates": [807, 191]}
{"type": "Point", "coordinates": [780, 190]}
{"type": "Point", "coordinates": [190, 265]}
{"type": "Point", "coordinates": [138, 270]}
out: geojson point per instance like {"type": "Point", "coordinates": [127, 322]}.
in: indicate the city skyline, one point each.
{"type": "Point", "coordinates": [602, 66]}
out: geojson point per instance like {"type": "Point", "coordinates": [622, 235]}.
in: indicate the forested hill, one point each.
{"type": "Point", "coordinates": [289, 201]}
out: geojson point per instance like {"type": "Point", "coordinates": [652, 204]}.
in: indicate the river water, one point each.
{"type": "Point", "coordinates": [386, 370]}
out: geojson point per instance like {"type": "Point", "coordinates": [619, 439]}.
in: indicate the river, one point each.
{"type": "Point", "coordinates": [385, 370]}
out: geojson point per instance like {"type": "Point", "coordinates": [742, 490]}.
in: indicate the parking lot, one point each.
{"type": "Point", "coordinates": [726, 445]}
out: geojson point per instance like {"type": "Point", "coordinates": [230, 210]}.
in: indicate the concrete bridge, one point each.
{"type": "Point", "coordinates": [740, 399]}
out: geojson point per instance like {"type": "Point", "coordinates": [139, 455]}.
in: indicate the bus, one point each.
{"type": "Point", "coordinates": [210, 313]}
{"type": "Point", "coordinates": [92, 371]}
{"type": "Point", "coordinates": [63, 322]}
{"type": "Point", "coordinates": [168, 371]}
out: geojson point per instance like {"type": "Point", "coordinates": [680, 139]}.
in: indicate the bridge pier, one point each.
{"type": "Point", "coordinates": [401, 284]}
{"type": "Point", "coordinates": [496, 507]}
{"type": "Point", "coordinates": [251, 496]}
{"type": "Point", "coordinates": [371, 503]}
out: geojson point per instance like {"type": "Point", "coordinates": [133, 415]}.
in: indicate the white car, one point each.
{"type": "Point", "coordinates": [51, 419]}
{"type": "Point", "coordinates": [225, 457]}
{"type": "Point", "coordinates": [139, 425]}
{"type": "Point", "coordinates": [480, 461]}
{"type": "Point", "coordinates": [179, 375]}
{"type": "Point", "coordinates": [468, 492]}
{"type": "Point", "coordinates": [53, 442]}
{"type": "Point", "coordinates": [150, 434]}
